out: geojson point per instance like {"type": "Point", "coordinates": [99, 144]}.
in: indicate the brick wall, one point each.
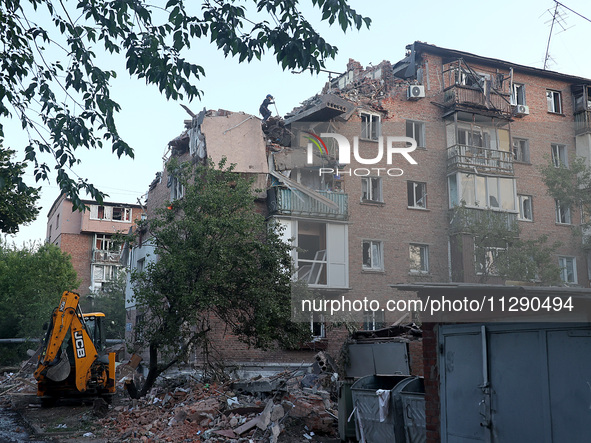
{"type": "Point", "coordinates": [79, 246]}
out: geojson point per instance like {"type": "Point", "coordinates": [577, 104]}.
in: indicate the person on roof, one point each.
{"type": "Point", "coordinates": [264, 109]}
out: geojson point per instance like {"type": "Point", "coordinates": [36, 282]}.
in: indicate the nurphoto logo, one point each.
{"type": "Point", "coordinates": [393, 145]}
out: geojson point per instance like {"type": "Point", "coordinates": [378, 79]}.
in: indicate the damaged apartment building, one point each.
{"type": "Point", "coordinates": [382, 211]}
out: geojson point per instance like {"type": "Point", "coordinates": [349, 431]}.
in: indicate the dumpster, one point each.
{"type": "Point", "coordinates": [346, 427]}
{"type": "Point", "coordinates": [409, 399]}
{"type": "Point", "coordinates": [366, 404]}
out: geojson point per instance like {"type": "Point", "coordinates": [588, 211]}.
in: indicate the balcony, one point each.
{"type": "Point", "coordinates": [100, 256]}
{"type": "Point", "coordinates": [297, 203]}
{"type": "Point", "coordinates": [459, 97]}
{"type": "Point", "coordinates": [583, 122]}
{"type": "Point", "coordinates": [466, 158]}
{"type": "Point", "coordinates": [461, 218]}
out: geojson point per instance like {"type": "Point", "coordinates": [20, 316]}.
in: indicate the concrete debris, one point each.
{"type": "Point", "coordinates": [263, 409]}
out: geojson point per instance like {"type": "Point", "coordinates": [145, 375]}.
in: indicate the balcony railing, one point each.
{"type": "Point", "coordinates": [297, 203]}
{"type": "Point", "coordinates": [105, 256]}
{"type": "Point", "coordinates": [583, 122]}
{"type": "Point", "coordinates": [475, 97]}
{"type": "Point", "coordinates": [463, 157]}
{"type": "Point", "coordinates": [461, 218]}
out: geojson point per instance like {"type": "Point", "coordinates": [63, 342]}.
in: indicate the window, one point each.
{"type": "Point", "coordinates": [416, 130]}
{"type": "Point", "coordinates": [559, 155]}
{"type": "Point", "coordinates": [372, 255]}
{"type": "Point", "coordinates": [485, 259]}
{"type": "Point", "coordinates": [373, 320]}
{"type": "Point", "coordinates": [311, 254]}
{"type": "Point", "coordinates": [122, 214]}
{"type": "Point", "coordinates": [568, 269]}
{"type": "Point", "coordinates": [417, 195]}
{"type": "Point", "coordinates": [141, 264]}
{"type": "Point", "coordinates": [419, 258]}
{"type": "Point", "coordinates": [103, 242]}
{"type": "Point", "coordinates": [554, 101]}
{"type": "Point", "coordinates": [57, 221]}
{"type": "Point", "coordinates": [317, 326]}
{"type": "Point", "coordinates": [483, 192]}
{"type": "Point", "coordinates": [525, 207]}
{"type": "Point", "coordinates": [520, 150]}
{"type": "Point", "coordinates": [370, 126]}
{"type": "Point", "coordinates": [371, 189]}
{"type": "Point", "coordinates": [562, 214]}
{"type": "Point", "coordinates": [518, 94]}
{"type": "Point", "coordinates": [177, 190]}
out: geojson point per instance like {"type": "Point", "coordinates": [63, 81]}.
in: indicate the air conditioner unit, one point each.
{"type": "Point", "coordinates": [521, 110]}
{"type": "Point", "coordinates": [415, 92]}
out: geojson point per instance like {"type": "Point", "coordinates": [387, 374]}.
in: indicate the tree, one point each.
{"type": "Point", "coordinates": [571, 186]}
{"type": "Point", "coordinates": [67, 106]}
{"type": "Point", "coordinates": [17, 200]}
{"type": "Point", "coordinates": [218, 264]}
{"type": "Point", "coordinates": [32, 280]}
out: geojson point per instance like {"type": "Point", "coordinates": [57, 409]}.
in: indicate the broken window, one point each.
{"type": "Point", "coordinates": [371, 189]}
{"type": "Point", "coordinates": [317, 326]}
{"type": "Point", "coordinates": [525, 207]}
{"type": "Point", "coordinates": [373, 320]}
{"type": "Point", "coordinates": [104, 242]}
{"type": "Point", "coordinates": [568, 269]}
{"type": "Point", "coordinates": [485, 259]}
{"type": "Point", "coordinates": [416, 130]}
{"type": "Point", "coordinates": [417, 194]}
{"type": "Point", "coordinates": [177, 190]}
{"type": "Point", "coordinates": [482, 192]}
{"type": "Point", "coordinates": [520, 150]}
{"type": "Point", "coordinates": [122, 214]}
{"type": "Point", "coordinates": [419, 258]}
{"type": "Point", "coordinates": [554, 100]}
{"type": "Point", "coordinates": [518, 94]}
{"type": "Point", "coordinates": [311, 252]}
{"type": "Point", "coordinates": [562, 213]}
{"type": "Point", "coordinates": [559, 155]}
{"type": "Point", "coordinates": [372, 255]}
{"type": "Point", "coordinates": [370, 126]}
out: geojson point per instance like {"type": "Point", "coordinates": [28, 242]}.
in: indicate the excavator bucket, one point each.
{"type": "Point", "coordinates": [61, 370]}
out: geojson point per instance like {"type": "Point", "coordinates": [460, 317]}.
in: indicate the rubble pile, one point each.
{"type": "Point", "coordinates": [259, 409]}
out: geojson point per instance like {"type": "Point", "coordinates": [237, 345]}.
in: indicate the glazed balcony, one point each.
{"type": "Point", "coordinates": [101, 256]}
{"type": "Point", "coordinates": [583, 122]}
{"type": "Point", "coordinates": [461, 218]}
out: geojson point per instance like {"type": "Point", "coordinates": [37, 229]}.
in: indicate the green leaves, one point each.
{"type": "Point", "coordinates": [218, 261]}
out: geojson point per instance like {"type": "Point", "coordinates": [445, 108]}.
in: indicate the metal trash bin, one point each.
{"type": "Point", "coordinates": [409, 398]}
{"type": "Point", "coordinates": [367, 410]}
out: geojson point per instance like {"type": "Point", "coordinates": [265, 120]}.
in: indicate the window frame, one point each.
{"type": "Point", "coordinates": [369, 180]}
{"type": "Point", "coordinates": [521, 198]}
{"type": "Point", "coordinates": [373, 267]}
{"type": "Point", "coordinates": [373, 320]}
{"type": "Point", "coordinates": [411, 187]}
{"type": "Point", "coordinates": [559, 155]}
{"type": "Point", "coordinates": [522, 149]}
{"type": "Point", "coordinates": [560, 211]}
{"type": "Point", "coordinates": [368, 130]}
{"type": "Point", "coordinates": [518, 94]}
{"type": "Point", "coordinates": [564, 269]}
{"type": "Point", "coordinates": [554, 98]}
{"type": "Point", "coordinates": [417, 127]}
{"type": "Point", "coordinates": [424, 258]}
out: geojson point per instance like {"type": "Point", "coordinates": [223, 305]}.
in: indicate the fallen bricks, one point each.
{"type": "Point", "coordinates": [243, 411]}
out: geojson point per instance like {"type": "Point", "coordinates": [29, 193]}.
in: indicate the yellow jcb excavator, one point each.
{"type": "Point", "coordinates": [73, 361]}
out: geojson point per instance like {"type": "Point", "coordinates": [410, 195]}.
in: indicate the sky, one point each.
{"type": "Point", "coordinates": [515, 31]}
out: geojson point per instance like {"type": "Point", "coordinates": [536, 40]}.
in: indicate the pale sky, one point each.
{"type": "Point", "coordinates": [515, 31]}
